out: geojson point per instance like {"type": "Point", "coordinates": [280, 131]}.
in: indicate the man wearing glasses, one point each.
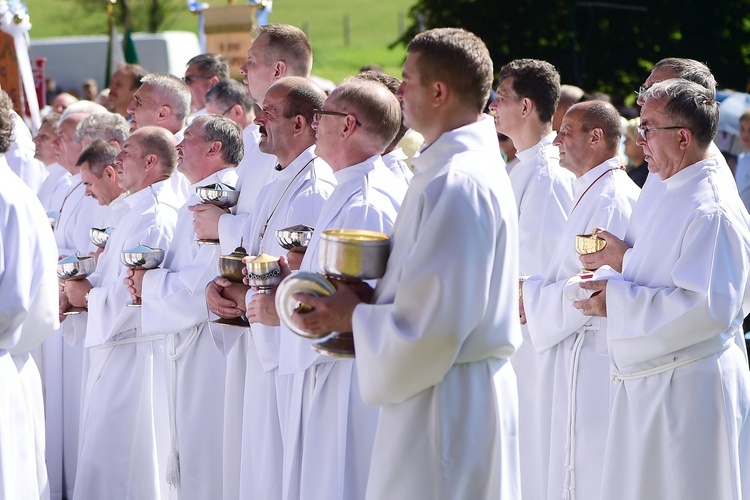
{"type": "Point", "coordinates": [302, 183]}
{"type": "Point", "coordinates": [678, 426]}
{"type": "Point", "coordinates": [203, 72]}
{"type": "Point", "coordinates": [616, 251]}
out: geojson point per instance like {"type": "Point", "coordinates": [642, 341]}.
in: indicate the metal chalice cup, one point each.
{"type": "Point", "coordinates": [350, 255]}
{"type": "Point", "coordinates": [302, 282]}
{"type": "Point", "coordinates": [100, 236]}
{"type": "Point", "coordinates": [589, 243]}
{"type": "Point", "coordinates": [73, 268]}
{"type": "Point", "coordinates": [292, 237]}
{"type": "Point", "coordinates": [141, 257]}
{"type": "Point", "coordinates": [263, 272]}
{"type": "Point", "coordinates": [219, 194]}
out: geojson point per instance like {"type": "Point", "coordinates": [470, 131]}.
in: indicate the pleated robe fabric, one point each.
{"type": "Point", "coordinates": [174, 305]}
{"type": "Point", "coordinates": [544, 197]}
{"type": "Point", "coordinates": [28, 286]}
{"type": "Point", "coordinates": [442, 325]}
{"type": "Point", "coordinates": [679, 421]}
{"type": "Point", "coordinates": [119, 388]}
{"type": "Point", "coordinates": [330, 431]}
{"type": "Point", "coordinates": [580, 394]}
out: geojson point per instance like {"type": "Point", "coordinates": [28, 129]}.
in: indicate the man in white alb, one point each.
{"type": "Point", "coordinates": [329, 435]}
{"type": "Point", "coordinates": [678, 424]}
{"type": "Point", "coordinates": [429, 345]}
{"type": "Point", "coordinates": [588, 141]}
{"type": "Point", "coordinates": [174, 305]}
{"type": "Point", "coordinates": [28, 315]}
{"type": "Point", "coordinates": [303, 182]}
{"type": "Point", "coordinates": [526, 101]}
{"type": "Point", "coordinates": [118, 390]}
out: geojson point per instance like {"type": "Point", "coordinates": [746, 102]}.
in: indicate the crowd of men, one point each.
{"type": "Point", "coordinates": [492, 361]}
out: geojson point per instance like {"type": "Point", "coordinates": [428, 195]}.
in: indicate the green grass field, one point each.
{"type": "Point", "coordinates": [374, 25]}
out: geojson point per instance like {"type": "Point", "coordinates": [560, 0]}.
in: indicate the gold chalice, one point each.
{"type": "Point", "coordinates": [589, 243]}
{"type": "Point", "coordinates": [230, 267]}
{"type": "Point", "coordinates": [74, 268]}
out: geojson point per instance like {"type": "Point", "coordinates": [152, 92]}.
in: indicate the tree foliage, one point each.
{"type": "Point", "coordinates": [150, 16]}
{"type": "Point", "coordinates": [602, 46]}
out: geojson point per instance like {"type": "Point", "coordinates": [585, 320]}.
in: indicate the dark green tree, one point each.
{"type": "Point", "coordinates": [604, 46]}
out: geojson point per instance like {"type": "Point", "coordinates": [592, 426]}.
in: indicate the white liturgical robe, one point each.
{"type": "Point", "coordinates": [295, 196]}
{"type": "Point", "coordinates": [329, 435]}
{"type": "Point", "coordinates": [28, 287]}
{"type": "Point", "coordinates": [604, 197]}
{"type": "Point", "coordinates": [679, 420]}
{"type": "Point", "coordinates": [118, 390]}
{"type": "Point", "coordinates": [55, 187]}
{"type": "Point", "coordinates": [396, 163]}
{"type": "Point", "coordinates": [174, 305]}
{"type": "Point", "coordinates": [544, 196]}
{"type": "Point", "coordinates": [444, 321]}
{"type": "Point", "coordinates": [20, 156]}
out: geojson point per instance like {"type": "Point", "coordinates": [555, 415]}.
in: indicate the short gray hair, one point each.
{"type": "Point", "coordinates": [173, 92]}
{"type": "Point", "coordinates": [107, 127]}
{"type": "Point", "coordinates": [689, 69]}
{"type": "Point", "coordinates": [227, 132]}
{"type": "Point", "coordinates": [85, 107]}
{"type": "Point", "coordinates": [690, 104]}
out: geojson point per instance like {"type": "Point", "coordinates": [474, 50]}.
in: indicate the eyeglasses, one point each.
{"type": "Point", "coordinates": [189, 79]}
{"type": "Point", "coordinates": [643, 132]}
{"type": "Point", "coordinates": [230, 108]}
{"type": "Point", "coordinates": [318, 114]}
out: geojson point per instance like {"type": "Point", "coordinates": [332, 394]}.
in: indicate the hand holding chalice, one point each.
{"type": "Point", "coordinates": [75, 268]}
{"type": "Point", "coordinates": [586, 244]}
{"type": "Point", "coordinates": [141, 257]}
{"type": "Point", "coordinates": [220, 195]}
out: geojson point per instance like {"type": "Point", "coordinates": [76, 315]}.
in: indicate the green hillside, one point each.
{"type": "Point", "coordinates": [373, 25]}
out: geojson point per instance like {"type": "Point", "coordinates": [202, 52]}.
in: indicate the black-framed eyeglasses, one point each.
{"type": "Point", "coordinates": [189, 79]}
{"type": "Point", "coordinates": [318, 114]}
{"type": "Point", "coordinates": [230, 108]}
{"type": "Point", "coordinates": [643, 131]}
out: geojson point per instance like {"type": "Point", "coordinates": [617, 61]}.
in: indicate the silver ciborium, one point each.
{"type": "Point", "coordinates": [302, 282]}
{"type": "Point", "coordinates": [293, 237]}
{"type": "Point", "coordinates": [141, 257]}
{"type": "Point", "coordinates": [219, 194]}
{"type": "Point", "coordinates": [263, 272]}
{"type": "Point", "coordinates": [589, 243]}
{"type": "Point", "coordinates": [100, 235]}
{"type": "Point", "coordinates": [74, 268]}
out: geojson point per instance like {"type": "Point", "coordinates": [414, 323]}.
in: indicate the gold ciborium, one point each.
{"type": "Point", "coordinates": [73, 268]}
{"type": "Point", "coordinates": [589, 243]}
{"type": "Point", "coordinates": [350, 255]}
{"type": "Point", "coordinates": [219, 194]}
{"type": "Point", "coordinates": [230, 267]}
{"type": "Point", "coordinates": [141, 257]}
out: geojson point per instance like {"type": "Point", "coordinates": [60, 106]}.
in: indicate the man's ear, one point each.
{"type": "Point", "coordinates": [110, 172]}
